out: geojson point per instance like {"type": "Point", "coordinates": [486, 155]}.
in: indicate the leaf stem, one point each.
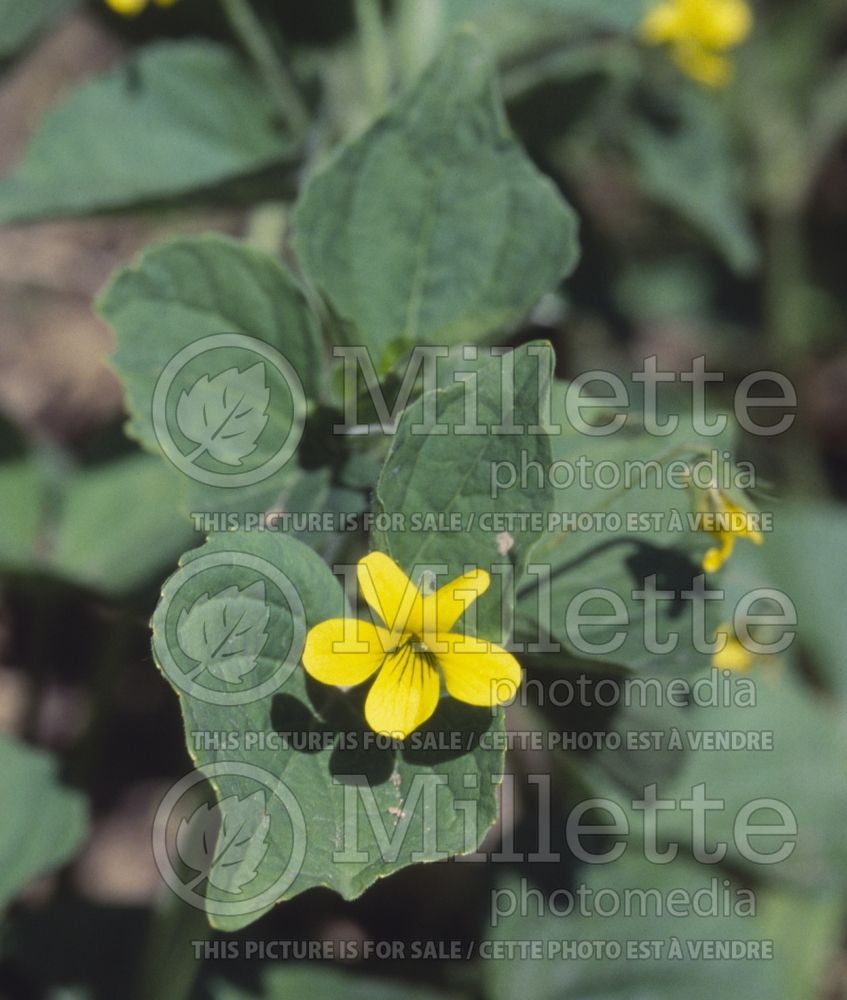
{"type": "Point", "coordinates": [419, 27]}
{"type": "Point", "coordinates": [169, 966]}
{"type": "Point", "coordinates": [251, 33]}
{"type": "Point", "coordinates": [267, 225]}
{"type": "Point", "coordinates": [376, 66]}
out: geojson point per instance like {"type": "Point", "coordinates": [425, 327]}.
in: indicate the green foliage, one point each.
{"type": "Point", "coordinates": [327, 984]}
{"type": "Point", "coordinates": [21, 499]}
{"type": "Point", "coordinates": [686, 164]}
{"type": "Point", "coordinates": [615, 15]}
{"type": "Point", "coordinates": [497, 416]}
{"type": "Point", "coordinates": [800, 770]}
{"type": "Point", "coordinates": [667, 957]}
{"type": "Point", "coordinates": [654, 541]}
{"type": "Point", "coordinates": [228, 636]}
{"type": "Point", "coordinates": [434, 227]}
{"type": "Point", "coordinates": [422, 222]}
{"type": "Point", "coordinates": [23, 22]}
{"type": "Point", "coordinates": [117, 526]}
{"type": "Point", "coordinates": [234, 419]}
{"type": "Point", "coordinates": [182, 117]}
{"type": "Point", "coordinates": [806, 555]}
{"type": "Point", "coordinates": [45, 822]}
{"type": "Point", "coordinates": [111, 527]}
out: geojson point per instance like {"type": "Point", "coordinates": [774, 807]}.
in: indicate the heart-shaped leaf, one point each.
{"type": "Point", "coordinates": [435, 227]}
{"type": "Point", "coordinates": [344, 808]}
{"type": "Point", "coordinates": [219, 354]}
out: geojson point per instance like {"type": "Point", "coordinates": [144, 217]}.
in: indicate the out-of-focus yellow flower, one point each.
{"type": "Point", "coordinates": [733, 655]}
{"type": "Point", "coordinates": [726, 521]}
{"type": "Point", "coordinates": [699, 33]}
{"type": "Point", "coordinates": [131, 8]}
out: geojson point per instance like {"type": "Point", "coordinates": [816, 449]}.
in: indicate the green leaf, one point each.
{"type": "Point", "coordinates": [433, 477]}
{"type": "Point", "coordinates": [612, 15]}
{"type": "Point", "coordinates": [535, 39]}
{"type": "Point", "coordinates": [180, 117]}
{"type": "Point", "coordinates": [762, 742]}
{"type": "Point", "coordinates": [119, 525]}
{"type": "Point", "coordinates": [111, 527]}
{"type": "Point", "coordinates": [227, 412]}
{"type": "Point", "coordinates": [588, 550]}
{"type": "Point", "coordinates": [434, 226]}
{"type": "Point", "coordinates": [44, 822]}
{"type": "Point", "coordinates": [615, 15]}
{"type": "Point", "coordinates": [806, 550]}
{"type": "Point", "coordinates": [669, 956]}
{"type": "Point", "coordinates": [23, 22]}
{"type": "Point", "coordinates": [21, 500]}
{"type": "Point", "coordinates": [325, 784]}
{"type": "Point", "coordinates": [802, 770]}
{"type": "Point", "coordinates": [319, 490]}
{"type": "Point", "coordinates": [321, 983]}
{"type": "Point", "coordinates": [688, 166]}
{"type": "Point", "coordinates": [828, 120]}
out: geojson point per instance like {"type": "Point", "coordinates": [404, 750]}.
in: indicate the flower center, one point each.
{"type": "Point", "coordinates": [418, 647]}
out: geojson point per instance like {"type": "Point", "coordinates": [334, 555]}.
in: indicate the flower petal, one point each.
{"type": "Point", "coordinates": [733, 655]}
{"type": "Point", "coordinates": [344, 651]}
{"type": "Point", "coordinates": [404, 695]}
{"type": "Point", "coordinates": [446, 606]}
{"type": "Point", "coordinates": [387, 589]}
{"type": "Point", "coordinates": [702, 64]}
{"type": "Point", "coordinates": [742, 517]}
{"type": "Point", "coordinates": [663, 23]}
{"type": "Point", "coordinates": [716, 557]}
{"type": "Point", "coordinates": [476, 671]}
{"type": "Point", "coordinates": [725, 23]}
{"type": "Point", "coordinates": [129, 8]}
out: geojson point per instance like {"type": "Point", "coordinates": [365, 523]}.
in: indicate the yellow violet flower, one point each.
{"type": "Point", "coordinates": [413, 650]}
{"type": "Point", "coordinates": [733, 655]}
{"type": "Point", "coordinates": [699, 33]}
{"type": "Point", "coordinates": [130, 8]}
{"type": "Point", "coordinates": [730, 522]}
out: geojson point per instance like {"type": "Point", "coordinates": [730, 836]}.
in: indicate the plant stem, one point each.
{"type": "Point", "coordinates": [419, 29]}
{"type": "Point", "coordinates": [251, 33]}
{"type": "Point", "coordinates": [169, 966]}
{"type": "Point", "coordinates": [266, 226]}
{"type": "Point", "coordinates": [376, 68]}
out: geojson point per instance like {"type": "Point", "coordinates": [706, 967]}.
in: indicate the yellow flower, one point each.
{"type": "Point", "coordinates": [130, 8]}
{"type": "Point", "coordinates": [728, 521]}
{"type": "Point", "coordinates": [412, 651]}
{"type": "Point", "coordinates": [733, 655]}
{"type": "Point", "coordinates": [699, 33]}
